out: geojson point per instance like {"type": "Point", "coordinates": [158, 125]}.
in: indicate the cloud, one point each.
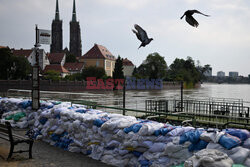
{"type": "Point", "coordinates": [129, 4]}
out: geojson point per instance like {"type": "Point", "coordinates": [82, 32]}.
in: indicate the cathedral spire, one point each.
{"type": "Point", "coordinates": [74, 12]}
{"type": "Point", "coordinates": [57, 11]}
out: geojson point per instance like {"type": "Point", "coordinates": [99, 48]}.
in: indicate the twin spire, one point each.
{"type": "Point", "coordinates": [57, 17]}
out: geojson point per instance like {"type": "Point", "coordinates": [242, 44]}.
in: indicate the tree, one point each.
{"type": "Point", "coordinates": [93, 71]}
{"type": "Point", "coordinates": [153, 67]}
{"type": "Point", "coordinates": [184, 70]}
{"type": "Point", "coordinates": [52, 75]}
{"type": "Point", "coordinates": [12, 67]}
{"type": "Point", "coordinates": [118, 71]}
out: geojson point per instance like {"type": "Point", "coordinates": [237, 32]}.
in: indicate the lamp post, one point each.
{"type": "Point", "coordinates": [35, 76]}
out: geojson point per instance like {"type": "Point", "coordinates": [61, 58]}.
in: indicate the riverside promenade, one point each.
{"type": "Point", "coordinates": [45, 155]}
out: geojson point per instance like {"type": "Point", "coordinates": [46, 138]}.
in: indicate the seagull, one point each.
{"type": "Point", "coordinates": [142, 36]}
{"type": "Point", "coordinates": [190, 19]}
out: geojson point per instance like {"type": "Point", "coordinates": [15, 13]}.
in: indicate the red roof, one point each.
{"type": "Point", "coordinates": [73, 66]}
{"type": "Point", "coordinates": [127, 62]}
{"type": "Point", "coordinates": [98, 52]}
{"type": "Point", "coordinates": [55, 67]}
{"type": "Point", "coordinates": [3, 47]}
{"type": "Point", "coordinates": [22, 52]}
{"type": "Point", "coordinates": [56, 58]}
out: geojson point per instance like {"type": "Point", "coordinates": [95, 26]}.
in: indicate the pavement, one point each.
{"type": "Point", "coordinates": [44, 155]}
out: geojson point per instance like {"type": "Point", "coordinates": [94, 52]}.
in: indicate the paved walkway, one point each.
{"type": "Point", "coordinates": [45, 155]}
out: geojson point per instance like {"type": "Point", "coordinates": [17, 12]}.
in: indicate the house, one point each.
{"type": "Point", "coordinates": [128, 67]}
{"type": "Point", "coordinates": [58, 68]}
{"type": "Point", "coordinates": [99, 56]}
{"type": "Point", "coordinates": [1, 47]}
{"type": "Point", "coordinates": [30, 54]}
{"type": "Point", "coordinates": [57, 58]}
{"type": "Point", "coordinates": [74, 67]}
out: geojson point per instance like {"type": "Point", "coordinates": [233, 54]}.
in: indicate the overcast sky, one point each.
{"type": "Point", "coordinates": [222, 40]}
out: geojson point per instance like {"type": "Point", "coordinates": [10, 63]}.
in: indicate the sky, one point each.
{"type": "Point", "coordinates": [221, 40]}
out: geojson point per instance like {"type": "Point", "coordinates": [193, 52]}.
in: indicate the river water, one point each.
{"type": "Point", "coordinates": [135, 99]}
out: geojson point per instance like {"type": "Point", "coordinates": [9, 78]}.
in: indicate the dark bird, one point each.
{"type": "Point", "coordinates": [190, 19]}
{"type": "Point", "coordinates": [142, 36]}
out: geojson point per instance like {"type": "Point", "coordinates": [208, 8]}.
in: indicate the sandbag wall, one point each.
{"type": "Point", "coordinates": [121, 140]}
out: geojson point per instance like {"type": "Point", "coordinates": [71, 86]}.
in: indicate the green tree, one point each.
{"type": "Point", "coordinates": [184, 70]}
{"type": "Point", "coordinates": [153, 67]}
{"type": "Point", "coordinates": [12, 67]}
{"type": "Point", "coordinates": [74, 77]}
{"type": "Point", "coordinates": [52, 75]}
{"type": "Point", "coordinates": [93, 71]}
{"type": "Point", "coordinates": [118, 71]}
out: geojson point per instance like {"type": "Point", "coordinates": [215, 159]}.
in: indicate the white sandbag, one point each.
{"type": "Point", "coordinates": [157, 147]}
{"type": "Point", "coordinates": [239, 154]}
{"type": "Point", "coordinates": [246, 143]}
{"type": "Point", "coordinates": [209, 158]}
{"type": "Point", "coordinates": [149, 128]}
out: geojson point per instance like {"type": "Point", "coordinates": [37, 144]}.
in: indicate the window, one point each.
{"type": "Point", "coordinates": [97, 63]}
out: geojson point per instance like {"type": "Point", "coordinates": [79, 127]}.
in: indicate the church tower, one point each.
{"type": "Point", "coordinates": [57, 36]}
{"type": "Point", "coordinates": [75, 45]}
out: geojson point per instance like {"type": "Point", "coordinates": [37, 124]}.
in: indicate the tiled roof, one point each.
{"type": "Point", "coordinates": [3, 47]}
{"type": "Point", "coordinates": [98, 52]}
{"type": "Point", "coordinates": [22, 52]}
{"type": "Point", "coordinates": [56, 58]}
{"type": "Point", "coordinates": [127, 62]}
{"type": "Point", "coordinates": [73, 66]}
{"type": "Point", "coordinates": [56, 67]}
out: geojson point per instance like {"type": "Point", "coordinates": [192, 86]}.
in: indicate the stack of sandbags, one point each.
{"type": "Point", "coordinates": [124, 140]}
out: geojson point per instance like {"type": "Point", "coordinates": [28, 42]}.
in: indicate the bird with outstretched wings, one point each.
{"type": "Point", "coordinates": [141, 34]}
{"type": "Point", "coordinates": [190, 19]}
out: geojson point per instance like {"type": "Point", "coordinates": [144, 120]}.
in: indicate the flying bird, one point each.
{"type": "Point", "coordinates": [190, 19]}
{"type": "Point", "coordinates": [142, 36]}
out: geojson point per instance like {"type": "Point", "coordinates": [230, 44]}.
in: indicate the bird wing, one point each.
{"type": "Point", "coordinates": [192, 21]}
{"type": "Point", "coordinates": [141, 33]}
{"type": "Point", "coordinates": [137, 34]}
{"type": "Point", "coordinates": [196, 11]}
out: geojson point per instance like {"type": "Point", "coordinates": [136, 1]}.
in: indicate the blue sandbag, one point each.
{"type": "Point", "coordinates": [25, 104]}
{"type": "Point", "coordinates": [238, 133]}
{"type": "Point", "coordinates": [43, 120]}
{"type": "Point", "coordinates": [198, 146]}
{"type": "Point", "coordinates": [99, 122]}
{"type": "Point", "coordinates": [81, 110]}
{"type": "Point", "coordinates": [135, 128]}
{"type": "Point", "coordinates": [137, 153]}
{"type": "Point", "coordinates": [228, 141]}
{"type": "Point", "coordinates": [193, 136]}
{"type": "Point", "coordinates": [145, 163]}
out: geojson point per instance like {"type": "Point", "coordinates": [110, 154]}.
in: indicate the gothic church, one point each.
{"type": "Point", "coordinates": [75, 45]}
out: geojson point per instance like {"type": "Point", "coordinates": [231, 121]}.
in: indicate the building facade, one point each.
{"type": "Point", "coordinates": [99, 56]}
{"type": "Point", "coordinates": [128, 67]}
{"type": "Point", "coordinates": [233, 74]}
{"type": "Point", "coordinates": [220, 74]}
{"type": "Point", "coordinates": [57, 34]}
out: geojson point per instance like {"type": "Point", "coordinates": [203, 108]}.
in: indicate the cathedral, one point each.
{"type": "Point", "coordinates": [75, 45]}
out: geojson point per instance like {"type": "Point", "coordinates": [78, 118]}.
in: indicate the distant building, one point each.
{"type": "Point", "coordinates": [57, 58]}
{"type": "Point", "coordinates": [58, 68]}
{"type": "Point", "coordinates": [1, 47]}
{"type": "Point", "coordinates": [74, 67]}
{"type": "Point", "coordinates": [233, 74]}
{"type": "Point", "coordinates": [220, 74]}
{"type": "Point", "coordinates": [128, 67]}
{"type": "Point", "coordinates": [57, 35]}
{"type": "Point", "coordinates": [208, 72]}
{"type": "Point", "coordinates": [30, 55]}
{"type": "Point", "coordinates": [75, 44]}
{"type": "Point", "coordinates": [99, 56]}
